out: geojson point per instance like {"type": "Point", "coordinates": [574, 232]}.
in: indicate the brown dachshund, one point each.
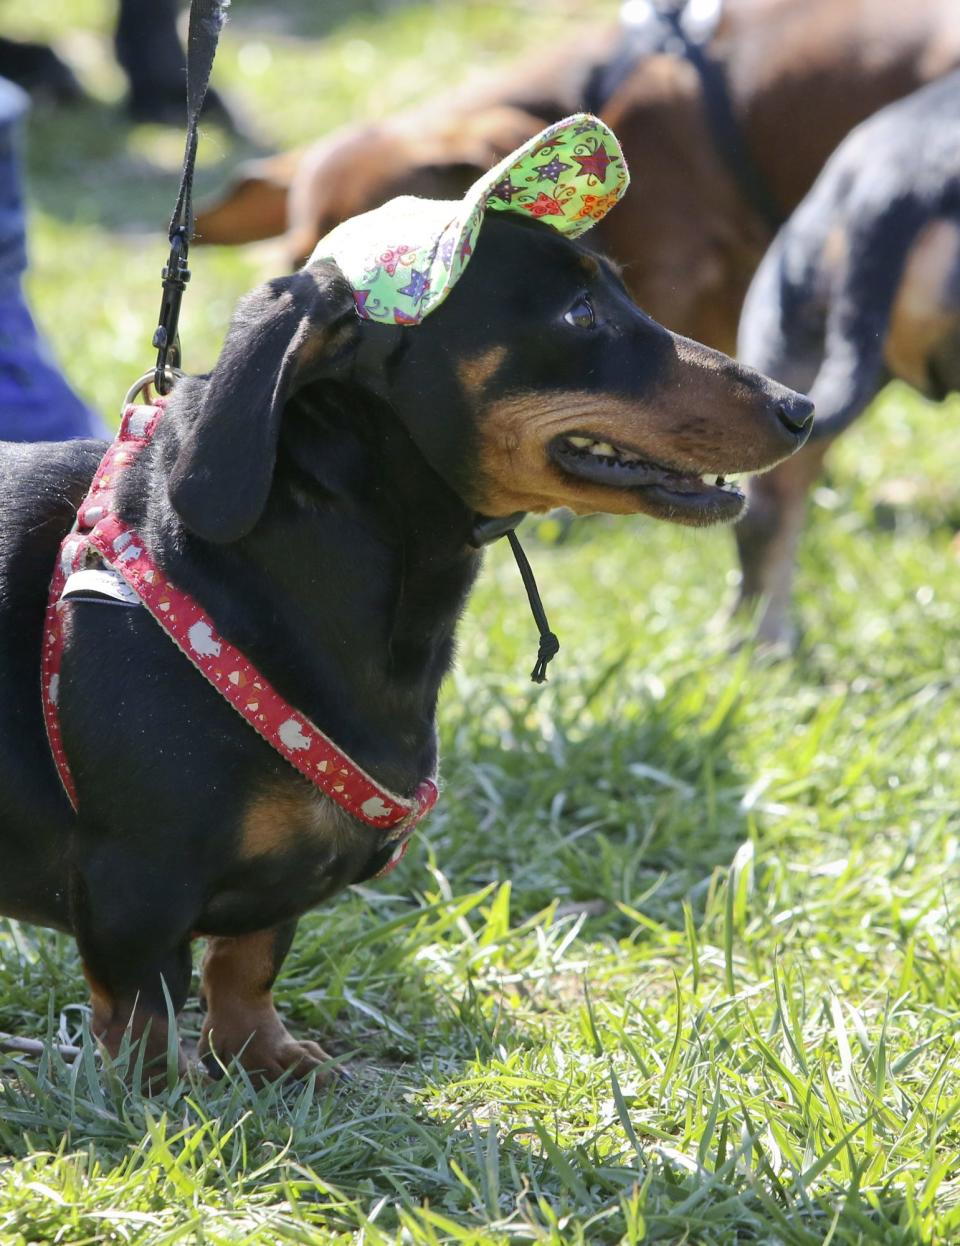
{"type": "Point", "coordinates": [800, 75]}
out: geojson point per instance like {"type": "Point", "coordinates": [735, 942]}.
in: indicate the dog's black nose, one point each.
{"type": "Point", "coordinates": [796, 413]}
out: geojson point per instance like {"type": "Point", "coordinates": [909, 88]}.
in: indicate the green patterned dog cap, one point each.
{"type": "Point", "coordinates": [405, 257]}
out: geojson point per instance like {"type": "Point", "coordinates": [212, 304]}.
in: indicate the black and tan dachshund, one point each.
{"type": "Point", "coordinates": [317, 494]}
{"type": "Point", "coordinates": [862, 284]}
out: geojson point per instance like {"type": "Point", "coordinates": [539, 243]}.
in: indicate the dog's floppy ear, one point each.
{"type": "Point", "coordinates": [284, 334]}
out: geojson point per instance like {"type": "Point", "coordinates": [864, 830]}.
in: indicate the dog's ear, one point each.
{"type": "Point", "coordinates": [289, 332]}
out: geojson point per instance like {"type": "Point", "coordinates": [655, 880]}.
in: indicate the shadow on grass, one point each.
{"type": "Point", "coordinates": [639, 806]}
{"type": "Point", "coordinates": [90, 166]}
{"type": "Point", "coordinates": [444, 1006]}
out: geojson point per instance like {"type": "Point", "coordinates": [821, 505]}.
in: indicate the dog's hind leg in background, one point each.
{"type": "Point", "coordinates": [829, 345]}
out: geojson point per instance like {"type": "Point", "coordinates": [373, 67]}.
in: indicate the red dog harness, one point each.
{"type": "Point", "coordinates": [101, 536]}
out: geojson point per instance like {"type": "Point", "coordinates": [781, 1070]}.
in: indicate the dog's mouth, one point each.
{"type": "Point", "coordinates": [669, 492]}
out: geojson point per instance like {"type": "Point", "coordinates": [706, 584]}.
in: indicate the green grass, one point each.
{"type": "Point", "coordinates": [676, 959]}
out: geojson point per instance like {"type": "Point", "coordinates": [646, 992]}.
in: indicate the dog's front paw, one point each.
{"type": "Point", "coordinates": [263, 1047]}
{"type": "Point", "coordinates": [297, 1057]}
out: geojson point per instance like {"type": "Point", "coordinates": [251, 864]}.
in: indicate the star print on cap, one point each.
{"type": "Point", "coordinates": [405, 257]}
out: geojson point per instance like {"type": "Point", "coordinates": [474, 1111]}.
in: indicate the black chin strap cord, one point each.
{"type": "Point", "coordinates": [206, 21]}
{"type": "Point", "coordinates": [549, 645]}
{"type": "Point", "coordinates": [487, 529]}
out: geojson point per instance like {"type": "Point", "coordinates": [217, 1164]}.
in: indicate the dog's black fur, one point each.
{"type": "Point", "coordinates": [861, 284]}
{"type": "Point", "coordinates": [316, 494]}
{"type": "Point", "coordinates": [819, 310]}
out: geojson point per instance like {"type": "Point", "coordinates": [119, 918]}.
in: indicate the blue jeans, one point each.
{"type": "Point", "coordinates": [36, 403]}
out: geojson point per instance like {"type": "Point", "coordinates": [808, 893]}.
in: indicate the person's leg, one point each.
{"type": "Point", "coordinates": [39, 70]}
{"type": "Point", "coordinates": [36, 402]}
{"type": "Point", "coordinates": [149, 52]}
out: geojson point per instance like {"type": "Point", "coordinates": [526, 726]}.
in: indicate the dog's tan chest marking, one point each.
{"type": "Point", "coordinates": [285, 818]}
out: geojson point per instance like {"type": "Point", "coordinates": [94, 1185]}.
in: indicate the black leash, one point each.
{"type": "Point", "coordinates": [207, 18]}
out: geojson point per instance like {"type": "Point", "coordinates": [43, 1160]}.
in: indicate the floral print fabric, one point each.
{"type": "Point", "coordinates": [405, 257]}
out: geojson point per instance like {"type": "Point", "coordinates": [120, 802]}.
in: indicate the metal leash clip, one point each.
{"type": "Point", "coordinates": [166, 338]}
{"type": "Point", "coordinates": [144, 384]}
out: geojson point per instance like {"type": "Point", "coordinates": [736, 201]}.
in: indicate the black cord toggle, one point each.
{"type": "Point", "coordinates": [549, 648]}
{"type": "Point", "coordinates": [166, 339]}
{"type": "Point", "coordinates": [549, 644]}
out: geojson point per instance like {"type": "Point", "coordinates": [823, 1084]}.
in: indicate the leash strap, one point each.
{"type": "Point", "coordinates": [666, 29]}
{"type": "Point", "coordinates": [207, 18]}
{"type": "Point", "coordinates": [299, 741]}
{"type": "Point", "coordinates": [726, 130]}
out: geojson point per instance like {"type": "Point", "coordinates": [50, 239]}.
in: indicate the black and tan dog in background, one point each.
{"type": "Point", "coordinates": [861, 285]}
{"type": "Point", "coordinates": [330, 542]}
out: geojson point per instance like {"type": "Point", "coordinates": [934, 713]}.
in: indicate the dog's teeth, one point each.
{"type": "Point", "coordinates": [603, 450]}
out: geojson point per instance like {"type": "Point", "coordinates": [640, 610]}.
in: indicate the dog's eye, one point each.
{"type": "Point", "coordinates": [581, 314]}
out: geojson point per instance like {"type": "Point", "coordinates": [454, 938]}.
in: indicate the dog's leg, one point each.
{"type": "Point", "coordinates": [241, 1021]}
{"type": "Point", "coordinates": [132, 926]}
{"type": "Point", "coordinates": [767, 540]}
{"type": "Point", "coordinates": [120, 1007]}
